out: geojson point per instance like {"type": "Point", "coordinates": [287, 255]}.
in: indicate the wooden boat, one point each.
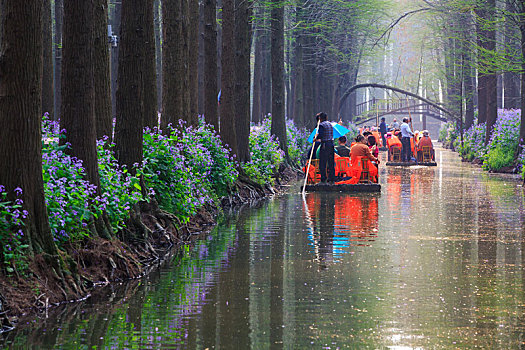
{"type": "Point", "coordinates": [357, 188]}
{"type": "Point", "coordinates": [411, 163]}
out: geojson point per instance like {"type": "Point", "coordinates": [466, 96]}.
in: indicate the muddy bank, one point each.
{"type": "Point", "coordinates": [150, 235]}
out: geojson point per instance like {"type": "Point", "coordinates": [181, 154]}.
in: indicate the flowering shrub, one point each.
{"type": "Point", "coordinates": [503, 140]}
{"type": "Point", "coordinates": [473, 142]}
{"type": "Point", "coordinates": [72, 200]}
{"type": "Point", "coordinates": [501, 149]}
{"type": "Point", "coordinates": [209, 159]}
{"type": "Point", "coordinates": [297, 142]}
{"type": "Point", "coordinates": [120, 189]}
{"type": "Point", "coordinates": [265, 154]}
{"type": "Point", "coordinates": [166, 173]}
{"type": "Point", "coordinates": [448, 134]}
{"type": "Point", "coordinates": [11, 236]}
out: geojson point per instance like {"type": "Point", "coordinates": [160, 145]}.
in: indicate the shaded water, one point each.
{"type": "Point", "coordinates": [435, 261]}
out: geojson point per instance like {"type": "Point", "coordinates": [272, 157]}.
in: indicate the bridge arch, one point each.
{"type": "Point", "coordinates": [396, 89]}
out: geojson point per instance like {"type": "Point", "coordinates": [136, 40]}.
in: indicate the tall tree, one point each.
{"type": "Point", "coordinates": [227, 116]}
{"type": "Point", "coordinates": [193, 60]}
{"type": "Point", "coordinates": [104, 123]}
{"type": "Point", "coordinates": [243, 40]}
{"type": "Point", "coordinates": [298, 100]}
{"type": "Point", "coordinates": [174, 62]}
{"type": "Point", "coordinates": [158, 50]}
{"type": "Point", "coordinates": [115, 24]}
{"type": "Point", "coordinates": [258, 63]}
{"type": "Point", "coordinates": [59, 20]}
{"type": "Point", "coordinates": [487, 79]}
{"type": "Point", "coordinates": [48, 90]}
{"type": "Point", "coordinates": [20, 115]}
{"type": "Point", "coordinates": [130, 94]}
{"type": "Point", "coordinates": [78, 93]}
{"type": "Point", "coordinates": [278, 127]}
{"type": "Point", "coordinates": [210, 63]}
{"type": "Point", "coordinates": [150, 75]}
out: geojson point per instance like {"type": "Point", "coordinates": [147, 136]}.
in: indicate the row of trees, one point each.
{"type": "Point", "coordinates": [482, 43]}
{"type": "Point", "coordinates": [305, 55]}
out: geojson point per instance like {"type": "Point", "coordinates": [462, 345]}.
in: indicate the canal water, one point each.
{"type": "Point", "coordinates": [434, 261]}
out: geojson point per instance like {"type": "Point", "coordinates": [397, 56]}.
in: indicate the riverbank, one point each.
{"type": "Point", "coordinates": [500, 154]}
{"type": "Point", "coordinates": [100, 261]}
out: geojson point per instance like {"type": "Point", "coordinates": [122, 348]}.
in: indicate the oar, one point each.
{"type": "Point", "coordinates": [310, 160]}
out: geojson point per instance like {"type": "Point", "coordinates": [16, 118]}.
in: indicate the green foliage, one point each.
{"type": "Point", "coordinates": [266, 156]}
{"type": "Point", "coordinates": [498, 158]}
{"type": "Point", "coordinates": [12, 246]}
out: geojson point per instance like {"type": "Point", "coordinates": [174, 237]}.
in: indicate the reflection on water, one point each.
{"type": "Point", "coordinates": [435, 261]}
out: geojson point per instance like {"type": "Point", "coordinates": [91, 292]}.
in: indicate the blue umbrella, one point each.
{"type": "Point", "coordinates": [339, 131]}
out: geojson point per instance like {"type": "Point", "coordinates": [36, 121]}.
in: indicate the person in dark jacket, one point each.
{"type": "Point", "coordinates": [342, 150]}
{"type": "Point", "coordinates": [383, 129]}
{"type": "Point", "coordinates": [325, 134]}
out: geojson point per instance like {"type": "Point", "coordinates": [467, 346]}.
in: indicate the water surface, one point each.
{"type": "Point", "coordinates": [434, 261]}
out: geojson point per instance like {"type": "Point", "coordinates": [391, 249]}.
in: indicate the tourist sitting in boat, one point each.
{"type": "Point", "coordinates": [372, 144]}
{"type": "Point", "coordinates": [361, 150]}
{"type": "Point", "coordinates": [342, 150]}
{"type": "Point", "coordinates": [425, 141]}
{"type": "Point", "coordinates": [392, 141]}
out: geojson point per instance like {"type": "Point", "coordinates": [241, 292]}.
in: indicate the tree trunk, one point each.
{"type": "Point", "coordinates": [277, 62]}
{"type": "Point", "coordinates": [131, 72]}
{"type": "Point", "coordinates": [522, 125]}
{"type": "Point", "coordinates": [78, 91]}
{"type": "Point", "coordinates": [257, 64]}
{"type": "Point", "coordinates": [200, 63]}
{"type": "Point", "coordinates": [173, 63]}
{"type": "Point", "coordinates": [308, 86]}
{"type": "Point", "coordinates": [266, 98]}
{"type": "Point", "coordinates": [243, 40]}
{"type": "Point", "coordinates": [48, 92]}
{"type": "Point", "coordinates": [115, 23]}
{"type": "Point", "coordinates": [20, 116]}
{"type": "Point", "coordinates": [193, 67]}
{"type": "Point", "coordinates": [102, 78]}
{"type": "Point", "coordinates": [511, 80]}
{"type": "Point", "coordinates": [299, 76]}
{"type": "Point", "coordinates": [149, 72]}
{"type": "Point", "coordinates": [158, 52]}
{"type": "Point", "coordinates": [227, 117]}
{"type": "Point", "coordinates": [59, 20]}
{"type": "Point", "coordinates": [210, 64]}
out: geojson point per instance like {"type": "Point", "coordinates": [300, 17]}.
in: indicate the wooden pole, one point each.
{"type": "Point", "coordinates": [310, 160]}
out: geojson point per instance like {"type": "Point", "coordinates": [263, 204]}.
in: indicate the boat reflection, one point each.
{"type": "Point", "coordinates": [338, 221]}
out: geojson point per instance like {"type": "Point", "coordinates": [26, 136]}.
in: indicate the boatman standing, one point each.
{"type": "Point", "coordinates": [325, 134]}
{"type": "Point", "coordinates": [406, 135]}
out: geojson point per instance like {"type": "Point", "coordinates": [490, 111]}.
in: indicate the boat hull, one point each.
{"type": "Point", "coordinates": [411, 163]}
{"type": "Point", "coordinates": [357, 188]}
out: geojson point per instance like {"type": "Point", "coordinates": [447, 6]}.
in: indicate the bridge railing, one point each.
{"type": "Point", "coordinates": [401, 106]}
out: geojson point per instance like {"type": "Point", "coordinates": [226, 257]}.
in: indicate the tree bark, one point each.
{"type": "Point", "coordinates": [115, 23]}
{"type": "Point", "coordinates": [243, 40]}
{"type": "Point", "coordinates": [200, 61]}
{"type": "Point", "coordinates": [158, 51]}
{"type": "Point", "coordinates": [193, 47]}
{"type": "Point", "coordinates": [78, 92]}
{"type": "Point", "coordinates": [48, 89]}
{"type": "Point", "coordinates": [210, 64]}
{"type": "Point", "coordinates": [131, 72]}
{"type": "Point", "coordinates": [257, 64]}
{"type": "Point", "coordinates": [104, 122]}
{"type": "Point", "coordinates": [20, 114]}
{"type": "Point", "coordinates": [299, 116]}
{"type": "Point", "coordinates": [511, 80]}
{"type": "Point", "coordinates": [59, 20]}
{"type": "Point", "coordinates": [149, 73]}
{"type": "Point", "coordinates": [522, 124]}
{"type": "Point", "coordinates": [173, 62]}
{"type": "Point", "coordinates": [278, 127]}
{"type": "Point", "coordinates": [227, 117]}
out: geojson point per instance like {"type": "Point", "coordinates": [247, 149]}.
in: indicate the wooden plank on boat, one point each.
{"type": "Point", "coordinates": [357, 188]}
{"type": "Point", "coordinates": [411, 163]}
